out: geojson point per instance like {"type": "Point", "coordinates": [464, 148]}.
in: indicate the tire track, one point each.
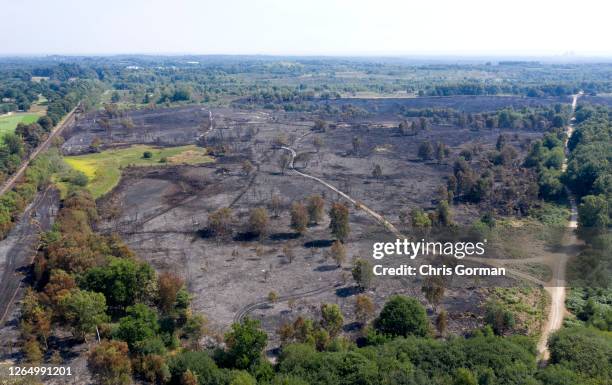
{"type": "Point", "coordinates": [247, 309]}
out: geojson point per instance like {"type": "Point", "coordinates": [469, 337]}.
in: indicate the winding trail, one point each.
{"type": "Point", "coordinates": [379, 218]}
{"type": "Point", "coordinates": [555, 287]}
{"type": "Point", "coordinates": [248, 308]}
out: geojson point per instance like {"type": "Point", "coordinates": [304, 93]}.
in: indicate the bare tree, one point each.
{"type": "Point", "coordinates": [283, 162]}
{"type": "Point", "coordinates": [247, 167]}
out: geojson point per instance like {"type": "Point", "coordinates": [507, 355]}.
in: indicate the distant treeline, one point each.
{"type": "Point", "coordinates": [530, 118]}
{"type": "Point", "coordinates": [289, 81]}
{"type": "Point", "coordinates": [535, 90]}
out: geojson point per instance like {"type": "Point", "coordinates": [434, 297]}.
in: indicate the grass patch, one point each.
{"type": "Point", "coordinates": [537, 270]}
{"type": "Point", "coordinates": [528, 304]}
{"type": "Point", "coordinates": [8, 123]}
{"type": "Point", "coordinates": [551, 214]}
{"type": "Point", "coordinates": [104, 168]}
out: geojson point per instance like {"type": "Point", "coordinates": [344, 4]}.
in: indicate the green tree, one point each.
{"type": "Point", "coordinates": [245, 342]}
{"type": "Point", "coordinates": [549, 182]}
{"type": "Point", "coordinates": [339, 221]}
{"type": "Point", "coordinates": [331, 318]}
{"type": "Point", "coordinates": [464, 376]}
{"type": "Point", "coordinates": [402, 316]}
{"type": "Point", "coordinates": [137, 326]}
{"type": "Point", "coordinates": [593, 213]}
{"type": "Point", "coordinates": [362, 273]}
{"type": "Point", "coordinates": [419, 219]}
{"type": "Point", "coordinates": [199, 366]}
{"type": "Point", "coordinates": [299, 217]}
{"type": "Point", "coordinates": [584, 350]}
{"type": "Point", "coordinates": [122, 281]}
{"type": "Point", "coordinates": [242, 378]}
{"type": "Point", "coordinates": [84, 310]}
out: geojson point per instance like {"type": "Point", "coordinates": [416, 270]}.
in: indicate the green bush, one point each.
{"type": "Point", "coordinates": [402, 316]}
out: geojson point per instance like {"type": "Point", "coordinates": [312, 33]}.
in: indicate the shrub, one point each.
{"type": "Point", "coordinates": [402, 316]}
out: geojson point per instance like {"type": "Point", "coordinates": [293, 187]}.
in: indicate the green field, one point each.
{"type": "Point", "coordinates": [104, 168]}
{"type": "Point", "coordinates": [9, 122]}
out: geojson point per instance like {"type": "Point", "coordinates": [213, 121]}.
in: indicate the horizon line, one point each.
{"type": "Point", "coordinates": [450, 54]}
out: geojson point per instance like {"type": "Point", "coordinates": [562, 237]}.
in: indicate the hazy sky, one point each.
{"type": "Point", "coordinates": [329, 27]}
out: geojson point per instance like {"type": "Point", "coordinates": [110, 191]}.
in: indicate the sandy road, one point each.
{"type": "Point", "coordinates": [557, 288]}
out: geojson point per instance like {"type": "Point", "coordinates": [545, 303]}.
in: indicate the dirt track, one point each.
{"type": "Point", "coordinates": [557, 290]}
{"type": "Point", "coordinates": [379, 218]}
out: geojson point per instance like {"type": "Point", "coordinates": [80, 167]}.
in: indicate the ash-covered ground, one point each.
{"type": "Point", "coordinates": [162, 213]}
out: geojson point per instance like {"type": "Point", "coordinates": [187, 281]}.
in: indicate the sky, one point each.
{"type": "Point", "coordinates": [307, 27]}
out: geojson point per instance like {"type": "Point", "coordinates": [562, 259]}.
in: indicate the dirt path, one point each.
{"type": "Point", "coordinates": [379, 218]}
{"type": "Point", "coordinates": [248, 308]}
{"type": "Point", "coordinates": [557, 289]}
{"type": "Point", "coordinates": [8, 184]}
{"type": "Point", "coordinates": [558, 262]}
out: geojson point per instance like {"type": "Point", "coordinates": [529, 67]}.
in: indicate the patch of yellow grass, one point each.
{"type": "Point", "coordinates": [104, 168]}
{"type": "Point", "coordinates": [189, 156]}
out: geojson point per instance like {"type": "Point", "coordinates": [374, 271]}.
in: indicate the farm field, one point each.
{"type": "Point", "coordinates": [104, 168]}
{"type": "Point", "coordinates": [8, 123]}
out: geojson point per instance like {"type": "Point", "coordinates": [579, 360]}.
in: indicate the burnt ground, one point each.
{"type": "Point", "coordinates": [16, 254]}
{"type": "Point", "coordinates": [163, 214]}
{"type": "Point", "coordinates": [389, 107]}
{"type": "Point", "coordinates": [602, 100]}
{"type": "Point", "coordinates": [161, 126]}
